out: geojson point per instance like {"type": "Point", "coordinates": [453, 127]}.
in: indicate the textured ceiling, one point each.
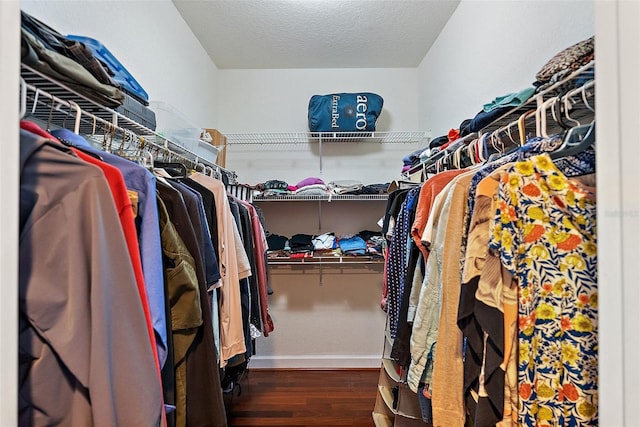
{"type": "Point", "coordinates": [262, 34]}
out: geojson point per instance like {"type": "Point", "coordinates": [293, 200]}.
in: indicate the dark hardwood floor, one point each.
{"type": "Point", "coordinates": [304, 398]}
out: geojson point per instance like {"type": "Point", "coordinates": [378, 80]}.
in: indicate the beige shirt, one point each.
{"type": "Point", "coordinates": [448, 374]}
{"type": "Point", "coordinates": [232, 269]}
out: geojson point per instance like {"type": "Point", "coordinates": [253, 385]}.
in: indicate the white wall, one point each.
{"type": "Point", "coordinates": [277, 101]}
{"type": "Point", "coordinates": [324, 316]}
{"type": "Point", "coordinates": [151, 40]}
{"type": "Point", "coordinates": [618, 113]}
{"type": "Point", "coordinates": [492, 48]}
{"type": "Point", "coordinates": [9, 63]}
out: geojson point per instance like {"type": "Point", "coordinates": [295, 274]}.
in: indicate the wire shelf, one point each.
{"type": "Point", "coordinates": [52, 102]}
{"type": "Point", "coordinates": [326, 137]}
{"type": "Point", "coordinates": [327, 197]}
{"type": "Point", "coordinates": [332, 260]}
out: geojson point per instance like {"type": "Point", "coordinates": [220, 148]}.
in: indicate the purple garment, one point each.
{"type": "Point", "coordinates": [309, 181]}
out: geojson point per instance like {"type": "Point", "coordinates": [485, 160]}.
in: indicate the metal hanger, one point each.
{"type": "Point", "coordinates": [567, 108]}
{"type": "Point", "coordinates": [576, 140]}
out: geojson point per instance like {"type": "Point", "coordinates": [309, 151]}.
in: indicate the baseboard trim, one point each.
{"type": "Point", "coordinates": [331, 362]}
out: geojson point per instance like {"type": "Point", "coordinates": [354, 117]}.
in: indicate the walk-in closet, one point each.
{"type": "Point", "coordinates": [183, 248]}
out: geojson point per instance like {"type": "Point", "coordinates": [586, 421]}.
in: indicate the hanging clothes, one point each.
{"type": "Point", "coordinates": [141, 186]}
{"type": "Point", "coordinates": [488, 338]}
{"type": "Point", "coordinates": [397, 268]}
{"type": "Point", "coordinates": [544, 232]}
{"type": "Point", "coordinates": [475, 313]}
{"type": "Point", "coordinates": [193, 367]}
{"type": "Point", "coordinates": [260, 255]}
{"type": "Point", "coordinates": [185, 306]}
{"type": "Point", "coordinates": [204, 404]}
{"type": "Point", "coordinates": [89, 346]}
{"type": "Point", "coordinates": [234, 267]}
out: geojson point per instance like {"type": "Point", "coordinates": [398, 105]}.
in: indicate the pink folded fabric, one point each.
{"type": "Point", "coordinates": [309, 181]}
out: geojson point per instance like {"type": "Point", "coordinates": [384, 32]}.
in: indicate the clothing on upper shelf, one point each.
{"type": "Point", "coordinates": [571, 58]}
{"type": "Point", "coordinates": [309, 181]}
{"type": "Point", "coordinates": [514, 99]}
{"type": "Point", "coordinates": [65, 69]}
{"type": "Point", "coordinates": [345, 186]}
{"type": "Point", "coordinates": [312, 190]}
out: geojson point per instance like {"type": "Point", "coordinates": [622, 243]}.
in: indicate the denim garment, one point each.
{"type": "Point", "coordinates": [353, 245]}
{"type": "Point", "coordinates": [425, 404]}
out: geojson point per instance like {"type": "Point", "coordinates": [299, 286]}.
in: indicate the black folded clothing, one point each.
{"type": "Point", "coordinates": [134, 109]}
{"type": "Point", "coordinates": [373, 189]}
{"type": "Point", "coordinates": [301, 242]}
{"type": "Point", "coordinates": [367, 234]}
{"type": "Point", "coordinates": [439, 141]}
{"type": "Point", "coordinates": [276, 242]}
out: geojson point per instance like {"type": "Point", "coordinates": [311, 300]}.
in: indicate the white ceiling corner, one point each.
{"type": "Point", "coordinates": [271, 34]}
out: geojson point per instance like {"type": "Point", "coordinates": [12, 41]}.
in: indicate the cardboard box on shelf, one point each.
{"type": "Point", "coordinates": [219, 141]}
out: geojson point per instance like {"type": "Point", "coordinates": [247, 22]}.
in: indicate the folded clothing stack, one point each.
{"type": "Point", "coordinates": [325, 242]}
{"type": "Point", "coordinates": [345, 186]}
{"type": "Point", "coordinates": [277, 242]}
{"type": "Point", "coordinates": [301, 243]}
{"type": "Point", "coordinates": [353, 245]}
{"type": "Point", "coordinates": [374, 241]}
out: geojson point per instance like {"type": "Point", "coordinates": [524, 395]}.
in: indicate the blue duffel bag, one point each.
{"type": "Point", "coordinates": [344, 112]}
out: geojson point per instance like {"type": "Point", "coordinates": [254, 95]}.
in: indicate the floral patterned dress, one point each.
{"type": "Point", "coordinates": [545, 234]}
